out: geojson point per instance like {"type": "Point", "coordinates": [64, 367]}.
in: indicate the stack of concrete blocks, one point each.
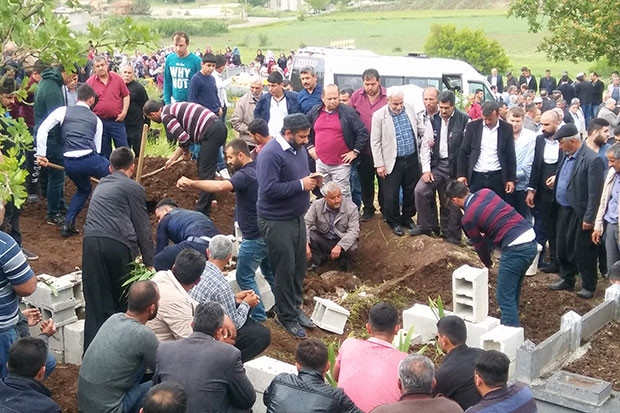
{"type": "Point", "coordinates": [581, 393]}
{"type": "Point", "coordinates": [264, 289]}
{"type": "Point", "coordinates": [470, 298]}
{"type": "Point", "coordinates": [329, 316]}
{"type": "Point", "coordinates": [60, 299]}
{"type": "Point", "coordinates": [261, 371]}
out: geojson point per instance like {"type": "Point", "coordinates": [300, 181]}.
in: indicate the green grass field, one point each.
{"type": "Point", "coordinates": [385, 32]}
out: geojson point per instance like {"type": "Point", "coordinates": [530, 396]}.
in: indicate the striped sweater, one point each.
{"type": "Point", "coordinates": [187, 122]}
{"type": "Point", "coordinates": [488, 218]}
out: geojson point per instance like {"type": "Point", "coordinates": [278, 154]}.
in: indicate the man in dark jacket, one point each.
{"type": "Point", "coordinates": [48, 97]}
{"type": "Point", "coordinates": [438, 159]}
{"type": "Point", "coordinates": [135, 120]}
{"type": "Point", "coordinates": [487, 157]}
{"type": "Point", "coordinates": [22, 390]}
{"type": "Point", "coordinates": [284, 100]}
{"type": "Point", "coordinates": [335, 142]}
{"type": "Point", "coordinates": [287, 392]}
{"type": "Point", "coordinates": [210, 371]}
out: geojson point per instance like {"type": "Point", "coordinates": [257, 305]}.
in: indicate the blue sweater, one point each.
{"type": "Point", "coordinates": [280, 192]}
{"type": "Point", "coordinates": [177, 74]}
{"type": "Point", "coordinates": [202, 90]}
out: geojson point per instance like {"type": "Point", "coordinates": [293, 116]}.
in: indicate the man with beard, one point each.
{"type": "Point", "coordinates": [244, 110]}
{"type": "Point", "coordinates": [124, 348]}
{"type": "Point", "coordinates": [310, 96]}
{"type": "Point", "coordinates": [540, 188]}
{"type": "Point", "coordinates": [253, 250]}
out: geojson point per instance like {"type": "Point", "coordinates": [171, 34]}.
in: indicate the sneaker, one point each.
{"type": "Point", "coordinates": [304, 320]}
{"type": "Point", "coordinates": [30, 256]}
{"type": "Point", "coordinates": [32, 199]}
{"type": "Point", "coordinates": [57, 219]}
{"type": "Point", "coordinates": [293, 328]}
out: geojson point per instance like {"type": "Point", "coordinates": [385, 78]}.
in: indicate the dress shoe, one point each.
{"type": "Point", "coordinates": [304, 320]}
{"type": "Point", "coordinates": [585, 293]}
{"type": "Point", "coordinates": [414, 232]}
{"type": "Point", "coordinates": [561, 285]}
{"type": "Point", "coordinates": [68, 230]}
{"type": "Point", "coordinates": [367, 216]}
{"type": "Point", "coordinates": [552, 268]}
{"type": "Point", "coordinates": [293, 328]}
{"type": "Point", "coordinates": [397, 230]}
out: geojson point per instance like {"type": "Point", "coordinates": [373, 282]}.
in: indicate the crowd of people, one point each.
{"type": "Point", "coordinates": [517, 171]}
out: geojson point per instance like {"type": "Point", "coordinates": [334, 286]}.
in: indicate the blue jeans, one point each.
{"type": "Point", "coordinates": [356, 187]}
{"type": "Point", "coordinates": [512, 267]}
{"type": "Point", "coordinates": [7, 338]}
{"type": "Point", "coordinates": [221, 162]}
{"type": "Point", "coordinates": [79, 171]}
{"type": "Point", "coordinates": [252, 254]}
{"type": "Point", "coordinates": [55, 188]}
{"type": "Point", "coordinates": [133, 398]}
{"type": "Point", "coordinates": [50, 365]}
{"type": "Point", "coordinates": [112, 130]}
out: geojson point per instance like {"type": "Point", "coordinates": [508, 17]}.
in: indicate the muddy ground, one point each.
{"type": "Point", "coordinates": [403, 270]}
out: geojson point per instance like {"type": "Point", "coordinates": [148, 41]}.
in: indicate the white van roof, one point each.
{"type": "Point", "coordinates": [332, 51]}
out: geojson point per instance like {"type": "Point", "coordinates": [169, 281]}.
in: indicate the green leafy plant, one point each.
{"type": "Point", "coordinates": [50, 284]}
{"type": "Point", "coordinates": [331, 356]}
{"type": "Point", "coordinates": [138, 273]}
{"type": "Point", "coordinates": [437, 307]}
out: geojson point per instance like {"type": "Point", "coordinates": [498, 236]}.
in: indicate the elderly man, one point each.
{"type": "Point", "coordinates": [332, 227]}
{"type": "Point", "coordinates": [252, 337]}
{"type": "Point", "coordinates": [496, 80]}
{"type": "Point", "coordinates": [135, 120]}
{"type": "Point", "coordinates": [578, 187]}
{"type": "Point", "coordinates": [211, 371]}
{"type": "Point", "coordinates": [335, 142]}
{"type": "Point", "coordinates": [112, 105]}
{"type": "Point", "coordinates": [438, 159]}
{"type": "Point", "coordinates": [274, 106]}
{"type": "Point", "coordinates": [286, 391]}
{"type": "Point", "coordinates": [168, 397]}
{"type": "Point", "coordinates": [607, 112]}
{"type": "Point", "coordinates": [416, 380]}
{"type": "Point", "coordinates": [606, 223]}
{"type": "Point", "coordinates": [185, 228]}
{"type": "Point", "coordinates": [191, 123]}
{"type": "Point", "coordinates": [244, 110]}
{"type": "Point", "coordinates": [491, 378]}
{"type": "Point", "coordinates": [395, 137]}
{"type": "Point", "coordinates": [312, 92]}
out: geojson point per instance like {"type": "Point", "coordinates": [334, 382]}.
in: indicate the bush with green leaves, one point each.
{"type": "Point", "coordinates": [468, 45]}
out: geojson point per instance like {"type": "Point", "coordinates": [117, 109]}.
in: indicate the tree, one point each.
{"type": "Point", "coordinates": [580, 30]}
{"type": "Point", "coordinates": [140, 7]}
{"type": "Point", "coordinates": [465, 44]}
{"type": "Point", "coordinates": [317, 5]}
{"type": "Point", "coordinates": [34, 32]}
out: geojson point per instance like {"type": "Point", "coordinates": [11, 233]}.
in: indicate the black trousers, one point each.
{"type": "Point", "coordinates": [105, 266]}
{"type": "Point", "coordinates": [492, 180]}
{"type": "Point", "coordinates": [576, 251]}
{"type": "Point", "coordinates": [405, 175]}
{"type": "Point", "coordinates": [366, 172]}
{"type": "Point", "coordinates": [134, 137]}
{"type": "Point", "coordinates": [252, 339]}
{"type": "Point", "coordinates": [321, 248]}
{"type": "Point", "coordinates": [212, 139]}
{"type": "Point", "coordinates": [545, 220]}
{"type": "Point", "coordinates": [286, 242]}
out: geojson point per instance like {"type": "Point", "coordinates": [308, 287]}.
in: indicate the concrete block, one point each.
{"type": "Point", "coordinates": [596, 318]}
{"type": "Point", "coordinates": [612, 293]}
{"type": "Point", "coordinates": [571, 321]}
{"type": "Point", "coordinates": [578, 387]}
{"type": "Point", "coordinates": [231, 277]}
{"type": "Point", "coordinates": [329, 316]}
{"type": "Point", "coordinates": [238, 233]}
{"type": "Point", "coordinates": [59, 354]}
{"type": "Point", "coordinates": [423, 319]}
{"type": "Point", "coordinates": [505, 339]}
{"type": "Point", "coordinates": [534, 267]}
{"type": "Point", "coordinates": [262, 370]}
{"type": "Point", "coordinates": [61, 317]}
{"type": "Point", "coordinates": [470, 293]}
{"type": "Point", "coordinates": [45, 296]}
{"type": "Point", "coordinates": [75, 278]}
{"type": "Point", "coordinates": [74, 342]}
{"type": "Point", "coordinates": [532, 359]}
{"type": "Point", "coordinates": [475, 331]}
{"type": "Point", "coordinates": [550, 402]}
{"type": "Point", "coordinates": [264, 289]}
{"type": "Point", "coordinates": [400, 337]}
{"type": "Point", "coordinates": [57, 341]}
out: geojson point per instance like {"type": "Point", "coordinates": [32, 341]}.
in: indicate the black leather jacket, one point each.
{"type": "Point", "coordinates": [306, 393]}
{"type": "Point", "coordinates": [456, 131]}
{"type": "Point", "coordinates": [353, 129]}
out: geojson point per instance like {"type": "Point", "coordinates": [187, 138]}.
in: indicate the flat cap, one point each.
{"type": "Point", "coordinates": [567, 131]}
